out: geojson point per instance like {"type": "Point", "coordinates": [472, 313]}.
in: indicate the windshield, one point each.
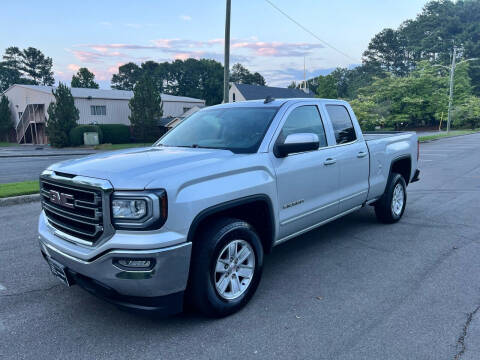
{"type": "Point", "coordinates": [239, 129]}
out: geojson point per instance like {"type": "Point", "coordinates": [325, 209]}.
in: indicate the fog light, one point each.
{"type": "Point", "coordinates": [134, 264]}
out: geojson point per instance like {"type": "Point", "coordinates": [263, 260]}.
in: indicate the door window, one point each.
{"type": "Point", "coordinates": [342, 124]}
{"type": "Point", "coordinates": [304, 119]}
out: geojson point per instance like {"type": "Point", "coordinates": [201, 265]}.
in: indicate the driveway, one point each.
{"type": "Point", "coordinates": [354, 289]}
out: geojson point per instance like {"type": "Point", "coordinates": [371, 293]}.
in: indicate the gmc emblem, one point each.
{"type": "Point", "coordinates": [62, 199]}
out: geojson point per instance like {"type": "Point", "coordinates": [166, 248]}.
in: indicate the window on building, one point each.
{"type": "Point", "coordinates": [233, 97]}
{"type": "Point", "coordinates": [98, 110]}
{"type": "Point", "coordinates": [342, 124]}
{"type": "Point", "coordinates": [304, 119]}
{"type": "Point", "coordinates": [185, 109]}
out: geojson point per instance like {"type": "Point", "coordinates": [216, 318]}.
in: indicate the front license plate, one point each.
{"type": "Point", "coordinates": [58, 270]}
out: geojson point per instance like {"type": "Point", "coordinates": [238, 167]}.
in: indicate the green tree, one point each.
{"type": "Point", "coordinates": [8, 77]}
{"type": "Point", "coordinates": [62, 117]}
{"type": "Point", "coordinates": [84, 79]}
{"type": "Point", "coordinates": [146, 108]}
{"type": "Point", "coordinates": [6, 122]}
{"type": "Point", "coordinates": [293, 85]}
{"type": "Point", "coordinates": [327, 87]}
{"type": "Point", "coordinates": [33, 66]}
{"type": "Point", "coordinates": [431, 36]}
{"type": "Point", "coordinates": [242, 75]}
{"type": "Point", "coordinates": [467, 114]}
{"type": "Point", "coordinates": [127, 77]}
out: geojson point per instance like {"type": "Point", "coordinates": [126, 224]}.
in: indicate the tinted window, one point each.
{"type": "Point", "coordinates": [304, 119]}
{"type": "Point", "coordinates": [239, 129]}
{"type": "Point", "coordinates": [342, 124]}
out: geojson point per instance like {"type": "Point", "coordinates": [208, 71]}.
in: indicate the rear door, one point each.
{"type": "Point", "coordinates": [352, 156]}
{"type": "Point", "coordinates": [307, 182]}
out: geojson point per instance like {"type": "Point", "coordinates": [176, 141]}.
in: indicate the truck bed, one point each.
{"type": "Point", "coordinates": [375, 135]}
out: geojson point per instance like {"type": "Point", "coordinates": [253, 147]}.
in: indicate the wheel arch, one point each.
{"type": "Point", "coordinates": [257, 210]}
{"type": "Point", "coordinates": [403, 166]}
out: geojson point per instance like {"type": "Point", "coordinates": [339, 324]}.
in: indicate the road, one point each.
{"type": "Point", "coordinates": [353, 289]}
{"type": "Point", "coordinates": [27, 168]}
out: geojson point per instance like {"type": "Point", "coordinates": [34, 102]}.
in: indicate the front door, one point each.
{"type": "Point", "coordinates": [307, 182]}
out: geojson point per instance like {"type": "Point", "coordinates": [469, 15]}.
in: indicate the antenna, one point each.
{"type": "Point", "coordinates": [268, 99]}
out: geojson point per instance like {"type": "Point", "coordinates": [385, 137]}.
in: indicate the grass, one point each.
{"type": "Point", "coordinates": [444, 134]}
{"type": "Point", "coordinates": [19, 188]}
{"type": "Point", "coordinates": [3, 143]}
{"type": "Point", "coordinates": [120, 146]}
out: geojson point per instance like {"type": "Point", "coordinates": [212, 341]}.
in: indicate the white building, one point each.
{"type": "Point", "coordinates": [29, 104]}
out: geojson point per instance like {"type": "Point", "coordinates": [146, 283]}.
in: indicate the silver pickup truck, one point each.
{"type": "Point", "coordinates": [189, 219]}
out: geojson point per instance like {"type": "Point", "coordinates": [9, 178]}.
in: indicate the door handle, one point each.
{"type": "Point", "coordinates": [361, 154]}
{"type": "Point", "coordinates": [329, 161]}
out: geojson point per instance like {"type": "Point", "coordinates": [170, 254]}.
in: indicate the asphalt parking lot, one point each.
{"type": "Point", "coordinates": [354, 289]}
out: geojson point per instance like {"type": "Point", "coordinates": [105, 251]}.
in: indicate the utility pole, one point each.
{"type": "Point", "coordinates": [452, 76]}
{"type": "Point", "coordinates": [226, 69]}
{"type": "Point", "coordinates": [450, 97]}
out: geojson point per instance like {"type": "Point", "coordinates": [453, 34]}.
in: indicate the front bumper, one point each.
{"type": "Point", "coordinates": [159, 288]}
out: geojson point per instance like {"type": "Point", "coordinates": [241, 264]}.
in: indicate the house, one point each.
{"type": "Point", "coordinates": [177, 120]}
{"type": "Point", "coordinates": [242, 92]}
{"type": "Point", "coordinates": [29, 104]}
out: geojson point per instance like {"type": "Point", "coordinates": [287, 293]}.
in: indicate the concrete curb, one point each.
{"type": "Point", "coordinates": [23, 199]}
{"type": "Point", "coordinates": [446, 137]}
{"type": "Point", "coordinates": [44, 155]}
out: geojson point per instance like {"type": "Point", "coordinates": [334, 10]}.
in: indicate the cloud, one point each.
{"type": "Point", "coordinates": [73, 67]}
{"type": "Point", "coordinates": [105, 23]}
{"type": "Point", "coordinates": [98, 56]}
{"type": "Point", "coordinates": [185, 17]}
{"type": "Point", "coordinates": [261, 48]}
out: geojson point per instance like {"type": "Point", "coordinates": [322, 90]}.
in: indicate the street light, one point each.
{"type": "Point", "coordinates": [452, 74]}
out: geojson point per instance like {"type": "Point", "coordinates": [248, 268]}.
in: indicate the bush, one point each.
{"type": "Point", "coordinates": [115, 133]}
{"type": "Point", "coordinates": [76, 134]}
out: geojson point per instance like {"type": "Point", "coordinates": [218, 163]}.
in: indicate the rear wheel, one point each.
{"type": "Point", "coordinates": [391, 206]}
{"type": "Point", "coordinates": [227, 263]}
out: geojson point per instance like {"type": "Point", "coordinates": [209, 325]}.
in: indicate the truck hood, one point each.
{"type": "Point", "coordinates": [135, 168]}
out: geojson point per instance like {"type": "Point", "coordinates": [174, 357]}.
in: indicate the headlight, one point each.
{"type": "Point", "coordinates": [129, 208]}
{"type": "Point", "coordinates": [139, 210]}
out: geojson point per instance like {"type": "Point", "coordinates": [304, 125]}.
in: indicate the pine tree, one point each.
{"type": "Point", "coordinates": [146, 108]}
{"type": "Point", "coordinates": [6, 122]}
{"type": "Point", "coordinates": [84, 79]}
{"type": "Point", "coordinates": [62, 116]}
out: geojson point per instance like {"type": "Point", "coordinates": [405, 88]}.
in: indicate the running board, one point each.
{"type": "Point", "coordinates": [286, 238]}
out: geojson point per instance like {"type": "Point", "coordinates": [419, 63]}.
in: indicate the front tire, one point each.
{"type": "Point", "coordinates": [391, 206]}
{"type": "Point", "coordinates": [227, 263]}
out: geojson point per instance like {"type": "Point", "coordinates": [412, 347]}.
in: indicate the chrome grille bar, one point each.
{"type": "Point", "coordinates": [76, 206]}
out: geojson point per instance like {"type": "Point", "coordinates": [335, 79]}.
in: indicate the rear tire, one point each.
{"type": "Point", "coordinates": [227, 263]}
{"type": "Point", "coordinates": [391, 206]}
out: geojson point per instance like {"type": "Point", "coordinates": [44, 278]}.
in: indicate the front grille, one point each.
{"type": "Point", "coordinates": [73, 210]}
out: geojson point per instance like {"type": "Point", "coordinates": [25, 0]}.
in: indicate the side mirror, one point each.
{"type": "Point", "coordinates": [295, 143]}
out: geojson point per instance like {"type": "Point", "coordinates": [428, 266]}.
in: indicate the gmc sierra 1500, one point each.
{"type": "Point", "coordinates": [192, 216]}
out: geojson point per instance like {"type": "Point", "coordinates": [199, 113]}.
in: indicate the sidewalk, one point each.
{"type": "Point", "coordinates": [42, 150]}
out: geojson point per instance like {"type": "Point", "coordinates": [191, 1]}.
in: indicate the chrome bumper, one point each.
{"type": "Point", "coordinates": [169, 274]}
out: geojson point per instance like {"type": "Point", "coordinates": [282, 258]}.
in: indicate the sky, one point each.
{"type": "Point", "coordinates": [103, 34]}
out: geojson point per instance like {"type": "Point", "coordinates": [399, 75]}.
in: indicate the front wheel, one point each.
{"type": "Point", "coordinates": [226, 267]}
{"type": "Point", "coordinates": [391, 206]}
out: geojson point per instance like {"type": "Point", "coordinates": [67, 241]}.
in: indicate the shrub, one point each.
{"type": "Point", "coordinates": [76, 134]}
{"type": "Point", "coordinates": [115, 133]}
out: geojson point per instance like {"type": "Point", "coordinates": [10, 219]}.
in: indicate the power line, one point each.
{"type": "Point", "coordinates": [310, 32]}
